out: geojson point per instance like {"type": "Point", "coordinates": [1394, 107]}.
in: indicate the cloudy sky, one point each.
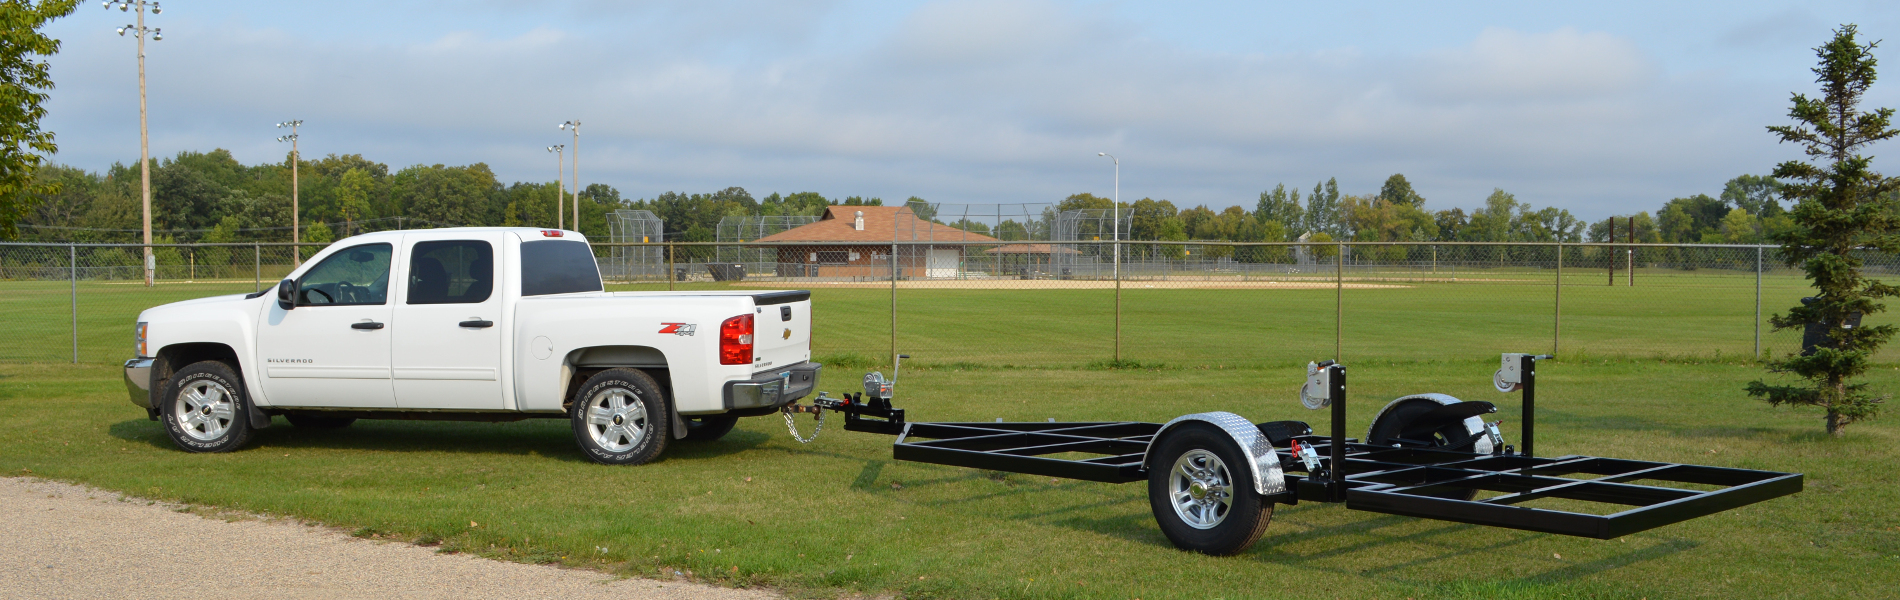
{"type": "Point", "coordinates": [1600, 108]}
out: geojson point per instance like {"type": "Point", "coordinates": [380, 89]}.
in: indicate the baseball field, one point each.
{"type": "Point", "coordinates": [1653, 372]}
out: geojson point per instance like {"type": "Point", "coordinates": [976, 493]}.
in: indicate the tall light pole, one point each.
{"type": "Point", "coordinates": [1118, 213]}
{"type": "Point", "coordinates": [145, 154]}
{"type": "Point", "coordinates": [576, 126]}
{"type": "Point", "coordinates": [296, 234]}
{"type": "Point", "coordinates": [560, 187]}
{"type": "Point", "coordinates": [1117, 237]}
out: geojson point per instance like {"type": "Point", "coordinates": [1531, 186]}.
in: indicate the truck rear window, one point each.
{"type": "Point", "coordinates": [558, 267]}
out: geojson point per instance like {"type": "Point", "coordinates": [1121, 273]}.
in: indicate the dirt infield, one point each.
{"type": "Point", "coordinates": [1059, 284]}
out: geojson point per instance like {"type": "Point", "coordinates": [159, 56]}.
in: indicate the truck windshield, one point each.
{"type": "Point", "coordinates": [558, 267]}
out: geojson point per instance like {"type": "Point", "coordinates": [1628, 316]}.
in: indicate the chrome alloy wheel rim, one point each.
{"type": "Point", "coordinates": [1201, 489]}
{"type": "Point", "coordinates": [617, 419]}
{"type": "Point", "coordinates": [204, 410]}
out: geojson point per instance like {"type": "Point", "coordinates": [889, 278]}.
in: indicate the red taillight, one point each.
{"type": "Point", "coordinates": [735, 341]}
{"type": "Point", "coordinates": [550, 233]}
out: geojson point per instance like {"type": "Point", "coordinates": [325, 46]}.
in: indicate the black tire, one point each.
{"type": "Point", "coordinates": [707, 429]}
{"type": "Point", "coordinates": [632, 423]}
{"type": "Point", "coordinates": [1395, 420]}
{"type": "Point", "coordinates": [1234, 527]}
{"type": "Point", "coordinates": [304, 420]}
{"type": "Point", "coordinates": [204, 408]}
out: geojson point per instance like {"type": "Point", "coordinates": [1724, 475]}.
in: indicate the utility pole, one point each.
{"type": "Point", "coordinates": [560, 186]}
{"type": "Point", "coordinates": [296, 235]}
{"type": "Point", "coordinates": [576, 126]}
{"type": "Point", "coordinates": [145, 153]}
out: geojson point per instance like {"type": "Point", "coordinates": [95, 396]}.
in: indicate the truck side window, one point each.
{"type": "Point", "coordinates": [558, 267]}
{"type": "Point", "coordinates": [451, 272]}
{"type": "Point", "coordinates": [356, 275]}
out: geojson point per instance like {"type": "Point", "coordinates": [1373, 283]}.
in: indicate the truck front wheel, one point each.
{"type": "Point", "coordinates": [204, 408]}
{"type": "Point", "coordinates": [620, 418]}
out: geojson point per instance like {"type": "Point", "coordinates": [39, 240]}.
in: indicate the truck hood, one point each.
{"type": "Point", "coordinates": [160, 310]}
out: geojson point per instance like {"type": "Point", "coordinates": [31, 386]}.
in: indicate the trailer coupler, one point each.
{"type": "Point", "coordinates": [882, 418]}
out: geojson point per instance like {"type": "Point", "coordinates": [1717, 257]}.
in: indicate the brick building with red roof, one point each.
{"type": "Point", "coordinates": [855, 241]}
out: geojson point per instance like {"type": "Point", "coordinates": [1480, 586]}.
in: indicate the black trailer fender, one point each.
{"type": "Point", "coordinates": [1268, 478]}
{"type": "Point", "coordinates": [1474, 426]}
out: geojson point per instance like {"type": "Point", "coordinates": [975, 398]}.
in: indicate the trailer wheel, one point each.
{"type": "Point", "coordinates": [620, 418]}
{"type": "Point", "coordinates": [1397, 418]}
{"type": "Point", "coordinates": [706, 429]}
{"type": "Point", "coordinates": [1202, 492]}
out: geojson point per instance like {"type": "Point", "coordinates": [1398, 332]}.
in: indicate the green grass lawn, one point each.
{"type": "Point", "coordinates": [1652, 372]}
{"type": "Point", "coordinates": [760, 509]}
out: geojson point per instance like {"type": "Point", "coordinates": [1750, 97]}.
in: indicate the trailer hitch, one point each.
{"type": "Point", "coordinates": [885, 418]}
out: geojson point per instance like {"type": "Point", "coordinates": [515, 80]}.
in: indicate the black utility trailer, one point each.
{"type": "Point", "coordinates": [1213, 478]}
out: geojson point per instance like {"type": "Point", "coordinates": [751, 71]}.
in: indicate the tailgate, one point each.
{"type": "Point", "coordinates": [781, 333]}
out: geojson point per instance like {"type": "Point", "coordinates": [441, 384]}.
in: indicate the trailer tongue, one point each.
{"type": "Point", "coordinates": [1214, 477]}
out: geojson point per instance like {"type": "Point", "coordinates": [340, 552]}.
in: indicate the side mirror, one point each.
{"type": "Point", "coordinates": [287, 294]}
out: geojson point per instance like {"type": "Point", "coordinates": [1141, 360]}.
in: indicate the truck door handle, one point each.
{"type": "Point", "coordinates": [477, 324]}
{"type": "Point", "coordinates": [366, 325]}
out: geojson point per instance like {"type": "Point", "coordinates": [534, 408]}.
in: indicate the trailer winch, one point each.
{"type": "Point", "coordinates": [1214, 477]}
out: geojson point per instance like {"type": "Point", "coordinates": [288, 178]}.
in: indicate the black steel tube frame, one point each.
{"type": "Point", "coordinates": [1527, 365]}
{"type": "Point", "coordinates": [1401, 481]}
{"type": "Point", "coordinates": [1337, 391]}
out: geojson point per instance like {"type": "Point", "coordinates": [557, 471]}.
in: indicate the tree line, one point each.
{"type": "Point", "coordinates": [212, 197]}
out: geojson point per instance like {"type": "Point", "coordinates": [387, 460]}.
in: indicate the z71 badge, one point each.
{"type": "Point", "coordinates": [678, 328]}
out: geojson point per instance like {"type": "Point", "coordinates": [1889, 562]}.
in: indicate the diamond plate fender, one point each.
{"type": "Point", "coordinates": [1268, 479]}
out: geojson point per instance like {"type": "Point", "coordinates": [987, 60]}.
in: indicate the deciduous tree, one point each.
{"type": "Point", "coordinates": [23, 84]}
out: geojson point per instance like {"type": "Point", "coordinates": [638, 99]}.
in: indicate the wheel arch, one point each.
{"type": "Point", "coordinates": [1473, 425]}
{"type": "Point", "coordinates": [583, 363]}
{"type": "Point", "coordinates": [1268, 478]}
{"type": "Point", "coordinates": [177, 356]}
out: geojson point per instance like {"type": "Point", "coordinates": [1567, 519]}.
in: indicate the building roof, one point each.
{"type": "Point", "coordinates": [1032, 249]}
{"type": "Point", "coordinates": [881, 224]}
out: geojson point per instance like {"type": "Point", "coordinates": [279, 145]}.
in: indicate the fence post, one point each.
{"type": "Point", "coordinates": [894, 297]}
{"type": "Point", "coordinates": [1758, 253]}
{"type": "Point", "coordinates": [73, 263]}
{"type": "Point", "coordinates": [1557, 326]}
{"type": "Point", "coordinates": [1339, 295]}
{"type": "Point", "coordinates": [670, 273]}
{"type": "Point", "coordinates": [257, 264]}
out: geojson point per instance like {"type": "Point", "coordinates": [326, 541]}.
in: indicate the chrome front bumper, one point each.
{"type": "Point", "coordinates": [138, 381]}
{"type": "Point", "coordinates": [774, 388]}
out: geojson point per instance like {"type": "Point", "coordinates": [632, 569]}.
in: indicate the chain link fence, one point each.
{"type": "Point", "coordinates": [1069, 303]}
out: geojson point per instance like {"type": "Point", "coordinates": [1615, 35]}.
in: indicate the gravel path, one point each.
{"type": "Point", "coordinates": [68, 541]}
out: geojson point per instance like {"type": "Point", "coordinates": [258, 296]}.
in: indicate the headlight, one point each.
{"type": "Point", "coordinates": [138, 335]}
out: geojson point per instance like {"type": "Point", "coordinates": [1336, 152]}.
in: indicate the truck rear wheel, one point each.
{"type": "Point", "coordinates": [620, 418]}
{"type": "Point", "coordinates": [706, 429]}
{"type": "Point", "coordinates": [204, 408]}
{"type": "Point", "coordinates": [1202, 492]}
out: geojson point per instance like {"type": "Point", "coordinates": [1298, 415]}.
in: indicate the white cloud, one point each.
{"type": "Point", "coordinates": [982, 101]}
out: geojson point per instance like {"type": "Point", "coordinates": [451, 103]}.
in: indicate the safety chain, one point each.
{"type": "Point", "coordinates": [793, 427]}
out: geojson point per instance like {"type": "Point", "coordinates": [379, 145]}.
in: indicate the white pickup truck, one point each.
{"type": "Point", "coordinates": [471, 324]}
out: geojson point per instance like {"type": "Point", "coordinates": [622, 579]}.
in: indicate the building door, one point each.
{"type": "Point", "coordinates": [943, 262]}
